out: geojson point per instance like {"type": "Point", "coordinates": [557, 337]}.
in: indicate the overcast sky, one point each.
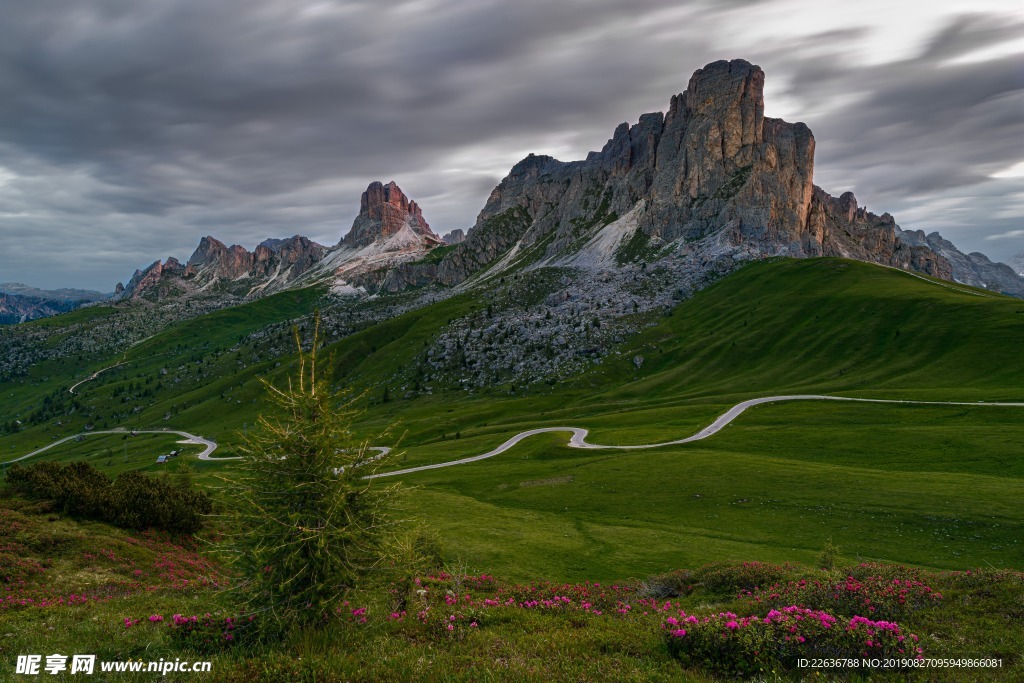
{"type": "Point", "coordinates": [130, 129]}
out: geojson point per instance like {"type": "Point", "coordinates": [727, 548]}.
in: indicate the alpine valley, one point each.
{"type": "Point", "coordinates": [640, 293]}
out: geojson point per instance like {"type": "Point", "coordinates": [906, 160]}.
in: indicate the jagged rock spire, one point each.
{"type": "Point", "coordinates": [383, 211]}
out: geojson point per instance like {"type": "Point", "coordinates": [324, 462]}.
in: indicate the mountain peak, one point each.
{"type": "Point", "coordinates": [210, 249]}
{"type": "Point", "coordinates": [383, 211]}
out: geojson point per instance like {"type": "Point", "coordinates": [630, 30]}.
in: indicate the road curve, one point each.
{"type": "Point", "coordinates": [577, 440]}
{"type": "Point", "coordinates": [95, 375]}
{"type": "Point", "coordinates": [579, 436]}
{"type": "Point", "coordinates": [210, 446]}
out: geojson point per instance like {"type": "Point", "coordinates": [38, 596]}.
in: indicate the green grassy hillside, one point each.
{"type": "Point", "coordinates": [785, 326]}
{"type": "Point", "coordinates": [927, 485]}
{"type": "Point", "coordinates": [116, 453]}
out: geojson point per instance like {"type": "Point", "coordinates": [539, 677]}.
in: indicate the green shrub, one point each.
{"type": "Point", "coordinates": [674, 584]}
{"type": "Point", "coordinates": [137, 501]}
{"type": "Point", "coordinates": [77, 489]}
{"type": "Point", "coordinates": [311, 525]}
{"type": "Point", "coordinates": [746, 576]}
{"type": "Point", "coordinates": [829, 555]}
{"type": "Point", "coordinates": [132, 501]}
{"type": "Point", "coordinates": [211, 633]}
{"type": "Point", "coordinates": [751, 646]}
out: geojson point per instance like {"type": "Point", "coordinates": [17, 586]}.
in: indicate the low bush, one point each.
{"type": "Point", "coordinates": [744, 646]}
{"type": "Point", "coordinates": [880, 597]}
{"type": "Point", "coordinates": [208, 633]}
{"type": "Point", "coordinates": [745, 576]}
{"type": "Point", "coordinates": [132, 501]}
{"type": "Point", "coordinates": [673, 584]}
{"type": "Point", "coordinates": [137, 501]}
{"type": "Point", "coordinates": [77, 488]}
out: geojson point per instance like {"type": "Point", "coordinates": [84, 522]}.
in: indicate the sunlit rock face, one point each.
{"type": "Point", "coordinates": [383, 211]}
{"type": "Point", "coordinates": [713, 168]}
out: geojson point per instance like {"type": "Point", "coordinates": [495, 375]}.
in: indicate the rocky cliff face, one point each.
{"type": "Point", "coordinates": [289, 258]}
{"type": "Point", "coordinates": [217, 260]}
{"type": "Point", "coordinates": [143, 279]}
{"type": "Point", "coordinates": [457, 236]}
{"type": "Point", "coordinates": [384, 211]}
{"type": "Point", "coordinates": [1017, 263]}
{"type": "Point", "coordinates": [972, 269]}
{"type": "Point", "coordinates": [712, 172]}
{"type": "Point", "coordinates": [840, 228]}
{"type": "Point", "coordinates": [238, 271]}
{"type": "Point", "coordinates": [387, 240]}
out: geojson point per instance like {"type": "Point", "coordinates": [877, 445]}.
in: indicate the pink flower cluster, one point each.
{"type": "Point", "coordinates": [797, 626]}
{"type": "Point", "coordinates": [177, 566]}
{"type": "Point", "coordinates": [874, 595]}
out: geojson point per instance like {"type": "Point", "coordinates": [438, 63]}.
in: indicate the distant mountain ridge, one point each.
{"type": "Point", "coordinates": [974, 269]}
{"type": "Point", "coordinates": [1017, 263]}
{"type": "Point", "coordinates": [16, 308]}
{"type": "Point", "coordinates": [709, 184]}
{"type": "Point", "coordinates": [21, 303]}
{"type": "Point", "coordinates": [389, 230]}
{"type": "Point", "coordinates": [272, 264]}
{"type": "Point", "coordinates": [62, 294]}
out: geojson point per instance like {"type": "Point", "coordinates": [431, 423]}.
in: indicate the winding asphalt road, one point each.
{"type": "Point", "coordinates": [579, 436]}
{"type": "Point", "coordinates": [577, 440]}
{"type": "Point", "coordinates": [210, 446]}
{"type": "Point", "coordinates": [94, 376]}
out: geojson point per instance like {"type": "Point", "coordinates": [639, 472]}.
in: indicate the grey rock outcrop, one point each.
{"type": "Point", "coordinates": [974, 269]}
{"type": "Point", "coordinates": [274, 259]}
{"type": "Point", "coordinates": [457, 236]}
{"type": "Point", "coordinates": [408, 275]}
{"type": "Point", "coordinates": [238, 271]}
{"type": "Point", "coordinates": [217, 260]}
{"type": "Point", "coordinates": [1017, 263]}
{"type": "Point", "coordinates": [383, 211]}
{"type": "Point", "coordinates": [712, 168]}
{"type": "Point", "coordinates": [838, 227]}
{"type": "Point", "coordinates": [143, 279]}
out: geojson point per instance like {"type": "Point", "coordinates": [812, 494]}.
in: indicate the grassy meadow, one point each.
{"type": "Point", "coordinates": [932, 488]}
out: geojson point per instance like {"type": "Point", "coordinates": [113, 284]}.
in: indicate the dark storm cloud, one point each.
{"type": "Point", "coordinates": [217, 86]}
{"type": "Point", "coordinates": [942, 126]}
{"type": "Point", "coordinates": [968, 33]}
{"type": "Point", "coordinates": [925, 131]}
{"type": "Point", "coordinates": [128, 130]}
{"type": "Point", "coordinates": [187, 117]}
